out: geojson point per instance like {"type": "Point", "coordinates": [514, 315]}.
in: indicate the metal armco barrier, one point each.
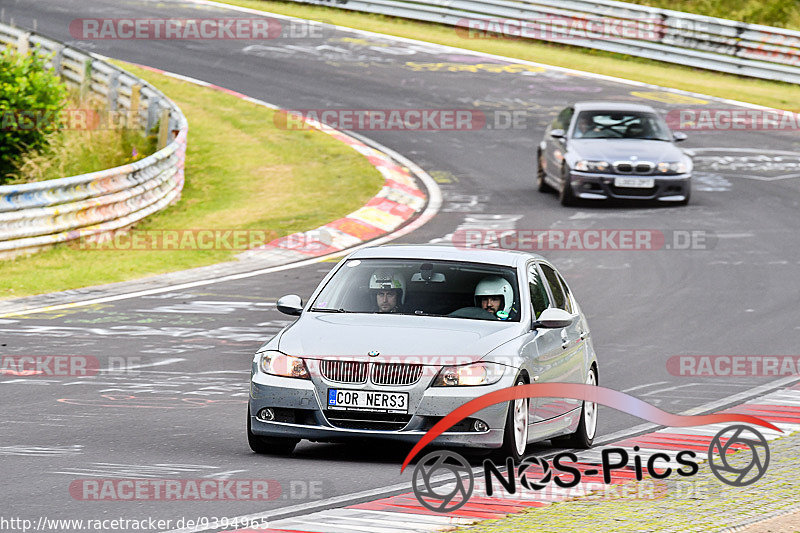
{"type": "Point", "coordinates": [676, 37]}
{"type": "Point", "coordinates": [37, 215]}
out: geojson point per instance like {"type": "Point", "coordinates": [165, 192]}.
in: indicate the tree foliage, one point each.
{"type": "Point", "coordinates": [31, 101]}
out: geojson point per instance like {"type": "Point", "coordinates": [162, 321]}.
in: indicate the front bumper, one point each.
{"type": "Point", "coordinates": [591, 186]}
{"type": "Point", "coordinates": [299, 413]}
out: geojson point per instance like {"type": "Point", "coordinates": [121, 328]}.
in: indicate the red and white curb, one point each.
{"type": "Point", "coordinates": [404, 514]}
{"type": "Point", "coordinates": [399, 200]}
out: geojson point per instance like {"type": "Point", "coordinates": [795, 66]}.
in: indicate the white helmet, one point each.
{"type": "Point", "coordinates": [495, 286]}
{"type": "Point", "coordinates": [387, 279]}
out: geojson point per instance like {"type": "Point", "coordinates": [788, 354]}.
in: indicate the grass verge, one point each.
{"type": "Point", "coordinates": [780, 13]}
{"type": "Point", "coordinates": [242, 172]}
{"type": "Point", "coordinates": [86, 144]}
{"type": "Point", "coordinates": [773, 94]}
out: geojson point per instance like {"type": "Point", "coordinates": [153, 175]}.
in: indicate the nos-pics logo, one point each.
{"type": "Point", "coordinates": [443, 481]}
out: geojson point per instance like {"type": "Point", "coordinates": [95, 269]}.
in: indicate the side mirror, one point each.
{"type": "Point", "coordinates": [552, 318]}
{"type": "Point", "coordinates": [678, 136]}
{"type": "Point", "coordinates": [558, 134]}
{"type": "Point", "coordinates": [291, 304]}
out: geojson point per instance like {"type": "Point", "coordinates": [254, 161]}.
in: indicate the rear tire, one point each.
{"type": "Point", "coordinates": [541, 184]}
{"type": "Point", "coordinates": [515, 434]}
{"type": "Point", "coordinates": [269, 445]}
{"type": "Point", "coordinates": [583, 438]}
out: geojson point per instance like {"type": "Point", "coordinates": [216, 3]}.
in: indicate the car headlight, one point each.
{"type": "Point", "coordinates": [280, 364]}
{"type": "Point", "coordinates": [469, 375]}
{"type": "Point", "coordinates": [677, 167]}
{"type": "Point", "coordinates": [591, 166]}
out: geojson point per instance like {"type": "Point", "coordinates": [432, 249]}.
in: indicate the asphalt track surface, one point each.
{"type": "Point", "coordinates": [181, 414]}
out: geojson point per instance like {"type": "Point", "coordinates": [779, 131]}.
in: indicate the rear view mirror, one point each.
{"type": "Point", "coordinates": [553, 318]}
{"type": "Point", "coordinates": [435, 277]}
{"type": "Point", "coordinates": [291, 304]}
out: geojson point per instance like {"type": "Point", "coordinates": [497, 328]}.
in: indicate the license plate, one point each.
{"type": "Point", "coordinates": [385, 402]}
{"type": "Point", "coordinates": [634, 183]}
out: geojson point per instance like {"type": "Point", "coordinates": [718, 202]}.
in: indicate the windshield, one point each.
{"type": "Point", "coordinates": [422, 288]}
{"type": "Point", "coordinates": [620, 125]}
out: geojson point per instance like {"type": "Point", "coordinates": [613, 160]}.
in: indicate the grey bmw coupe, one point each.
{"type": "Point", "coordinates": [602, 150]}
{"type": "Point", "coordinates": [396, 337]}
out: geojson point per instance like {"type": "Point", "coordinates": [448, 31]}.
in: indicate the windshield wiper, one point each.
{"type": "Point", "coordinates": [328, 310]}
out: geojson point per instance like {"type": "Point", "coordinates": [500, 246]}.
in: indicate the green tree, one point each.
{"type": "Point", "coordinates": [31, 101]}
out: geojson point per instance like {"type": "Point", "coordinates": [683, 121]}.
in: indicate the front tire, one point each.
{"type": "Point", "coordinates": [583, 438]}
{"type": "Point", "coordinates": [269, 445]}
{"type": "Point", "coordinates": [515, 435]}
{"type": "Point", "coordinates": [541, 184]}
{"type": "Point", "coordinates": [566, 197]}
{"type": "Point", "coordinates": [685, 201]}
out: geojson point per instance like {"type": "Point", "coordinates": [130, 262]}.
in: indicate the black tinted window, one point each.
{"type": "Point", "coordinates": [555, 286]}
{"type": "Point", "coordinates": [538, 292]}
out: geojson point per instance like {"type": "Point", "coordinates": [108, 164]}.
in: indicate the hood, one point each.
{"type": "Point", "coordinates": [621, 150]}
{"type": "Point", "coordinates": [316, 335]}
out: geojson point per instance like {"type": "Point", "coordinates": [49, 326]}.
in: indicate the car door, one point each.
{"type": "Point", "coordinates": [582, 328]}
{"type": "Point", "coordinates": [568, 367]}
{"type": "Point", "coordinates": [556, 148]}
{"type": "Point", "coordinates": [543, 349]}
{"type": "Point", "coordinates": [539, 345]}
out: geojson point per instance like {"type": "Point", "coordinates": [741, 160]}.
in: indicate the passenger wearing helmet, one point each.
{"type": "Point", "coordinates": [389, 290]}
{"type": "Point", "coordinates": [494, 294]}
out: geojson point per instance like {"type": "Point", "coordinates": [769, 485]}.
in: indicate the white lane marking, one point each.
{"type": "Point", "coordinates": [499, 225]}
{"type": "Point", "coordinates": [399, 521]}
{"type": "Point", "coordinates": [35, 451]}
{"type": "Point", "coordinates": [147, 365]}
{"type": "Point", "coordinates": [645, 385]}
{"type": "Point", "coordinates": [333, 525]}
{"type": "Point", "coordinates": [409, 517]}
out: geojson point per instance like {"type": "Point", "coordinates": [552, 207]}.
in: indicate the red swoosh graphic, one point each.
{"type": "Point", "coordinates": [578, 391]}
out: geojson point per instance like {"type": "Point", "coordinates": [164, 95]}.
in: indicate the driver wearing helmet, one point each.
{"type": "Point", "coordinates": [389, 290]}
{"type": "Point", "coordinates": [494, 294]}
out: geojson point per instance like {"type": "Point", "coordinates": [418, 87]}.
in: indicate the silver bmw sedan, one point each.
{"type": "Point", "coordinates": [396, 337]}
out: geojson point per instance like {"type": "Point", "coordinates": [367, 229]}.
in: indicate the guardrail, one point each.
{"type": "Point", "coordinates": [673, 36]}
{"type": "Point", "coordinates": [38, 215]}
